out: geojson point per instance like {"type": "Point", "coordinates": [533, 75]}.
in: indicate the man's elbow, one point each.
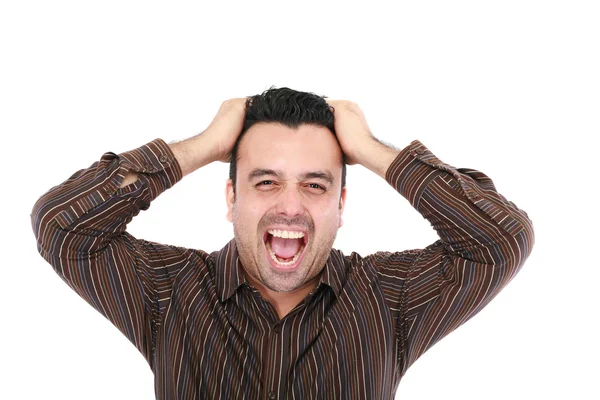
{"type": "Point", "coordinates": [519, 248]}
{"type": "Point", "coordinates": [526, 237]}
{"type": "Point", "coordinates": [43, 222]}
{"type": "Point", "coordinates": [37, 221]}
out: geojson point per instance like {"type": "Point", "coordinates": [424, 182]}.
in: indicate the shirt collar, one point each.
{"type": "Point", "coordinates": [229, 272]}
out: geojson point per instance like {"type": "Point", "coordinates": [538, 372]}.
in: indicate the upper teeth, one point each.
{"type": "Point", "coordinates": [286, 234]}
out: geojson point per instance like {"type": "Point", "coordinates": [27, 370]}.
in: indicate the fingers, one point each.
{"type": "Point", "coordinates": [350, 105]}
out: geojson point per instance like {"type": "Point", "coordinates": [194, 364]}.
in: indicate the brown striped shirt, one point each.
{"type": "Point", "coordinates": [206, 333]}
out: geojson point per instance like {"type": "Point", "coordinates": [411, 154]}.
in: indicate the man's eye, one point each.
{"type": "Point", "coordinates": [265, 183]}
{"type": "Point", "coordinates": [316, 186]}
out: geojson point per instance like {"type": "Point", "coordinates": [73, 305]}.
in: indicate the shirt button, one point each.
{"type": "Point", "coordinates": [272, 395]}
{"type": "Point", "coordinates": [277, 329]}
{"type": "Point", "coordinates": [149, 167]}
{"type": "Point", "coordinates": [163, 159]}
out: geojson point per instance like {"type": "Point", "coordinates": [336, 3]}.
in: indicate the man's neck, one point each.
{"type": "Point", "coordinates": [284, 302]}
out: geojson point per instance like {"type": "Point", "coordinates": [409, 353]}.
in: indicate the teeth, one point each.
{"type": "Point", "coordinates": [284, 264]}
{"type": "Point", "coordinates": [286, 234]}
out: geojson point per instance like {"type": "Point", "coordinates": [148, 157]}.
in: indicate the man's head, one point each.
{"type": "Point", "coordinates": [286, 179]}
{"type": "Point", "coordinates": [289, 108]}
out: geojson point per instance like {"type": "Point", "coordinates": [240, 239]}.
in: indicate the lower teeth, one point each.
{"type": "Point", "coordinates": [276, 259]}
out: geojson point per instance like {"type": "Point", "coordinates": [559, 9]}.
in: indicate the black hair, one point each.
{"type": "Point", "coordinates": [290, 108]}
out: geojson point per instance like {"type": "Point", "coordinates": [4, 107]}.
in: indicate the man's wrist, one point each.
{"type": "Point", "coordinates": [377, 156]}
{"type": "Point", "coordinates": [193, 153]}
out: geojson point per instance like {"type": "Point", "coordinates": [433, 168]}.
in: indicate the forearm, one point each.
{"type": "Point", "coordinates": [194, 153]}
{"type": "Point", "coordinates": [89, 208]}
{"type": "Point", "coordinates": [462, 204]}
{"type": "Point", "coordinates": [214, 144]}
{"type": "Point", "coordinates": [191, 154]}
{"type": "Point", "coordinates": [377, 156]}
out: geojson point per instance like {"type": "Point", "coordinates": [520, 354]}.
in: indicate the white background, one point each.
{"type": "Point", "coordinates": [508, 88]}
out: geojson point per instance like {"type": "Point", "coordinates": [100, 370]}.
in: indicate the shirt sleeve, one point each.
{"type": "Point", "coordinates": [80, 227]}
{"type": "Point", "coordinates": [484, 241]}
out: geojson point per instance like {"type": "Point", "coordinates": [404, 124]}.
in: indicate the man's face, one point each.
{"type": "Point", "coordinates": [288, 184]}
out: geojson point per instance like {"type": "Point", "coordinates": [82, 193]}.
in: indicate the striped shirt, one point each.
{"type": "Point", "coordinates": [207, 333]}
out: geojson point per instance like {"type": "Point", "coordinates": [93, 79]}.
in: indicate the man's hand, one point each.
{"type": "Point", "coordinates": [225, 128]}
{"type": "Point", "coordinates": [357, 142]}
{"type": "Point", "coordinates": [351, 129]}
{"type": "Point", "coordinates": [215, 142]}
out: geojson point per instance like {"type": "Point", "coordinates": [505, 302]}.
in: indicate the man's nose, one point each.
{"type": "Point", "coordinates": [290, 202]}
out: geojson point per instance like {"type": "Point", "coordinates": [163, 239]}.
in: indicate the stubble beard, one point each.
{"type": "Point", "coordinates": [254, 262]}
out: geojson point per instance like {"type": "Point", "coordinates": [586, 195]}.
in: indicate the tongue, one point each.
{"type": "Point", "coordinates": [285, 248]}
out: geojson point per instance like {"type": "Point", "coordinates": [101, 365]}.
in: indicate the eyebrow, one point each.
{"type": "Point", "coordinates": [324, 175]}
{"type": "Point", "coordinates": [260, 172]}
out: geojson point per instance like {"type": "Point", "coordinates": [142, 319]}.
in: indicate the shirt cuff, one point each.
{"type": "Point", "coordinates": [412, 170]}
{"type": "Point", "coordinates": [157, 168]}
{"type": "Point", "coordinates": [154, 161]}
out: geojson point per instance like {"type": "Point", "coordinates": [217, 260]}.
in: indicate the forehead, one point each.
{"type": "Point", "coordinates": [275, 146]}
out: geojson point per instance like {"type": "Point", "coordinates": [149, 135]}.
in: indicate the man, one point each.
{"type": "Point", "coordinates": [277, 313]}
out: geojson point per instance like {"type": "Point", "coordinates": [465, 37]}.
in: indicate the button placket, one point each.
{"type": "Point", "coordinates": [274, 342]}
{"type": "Point", "coordinates": [268, 363]}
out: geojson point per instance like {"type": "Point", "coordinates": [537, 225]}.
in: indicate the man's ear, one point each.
{"type": "Point", "coordinates": [342, 204]}
{"type": "Point", "coordinates": [230, 198]}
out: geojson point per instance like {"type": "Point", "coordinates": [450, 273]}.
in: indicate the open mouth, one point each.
{"type": "Point", "coordinates": [285, 248]}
